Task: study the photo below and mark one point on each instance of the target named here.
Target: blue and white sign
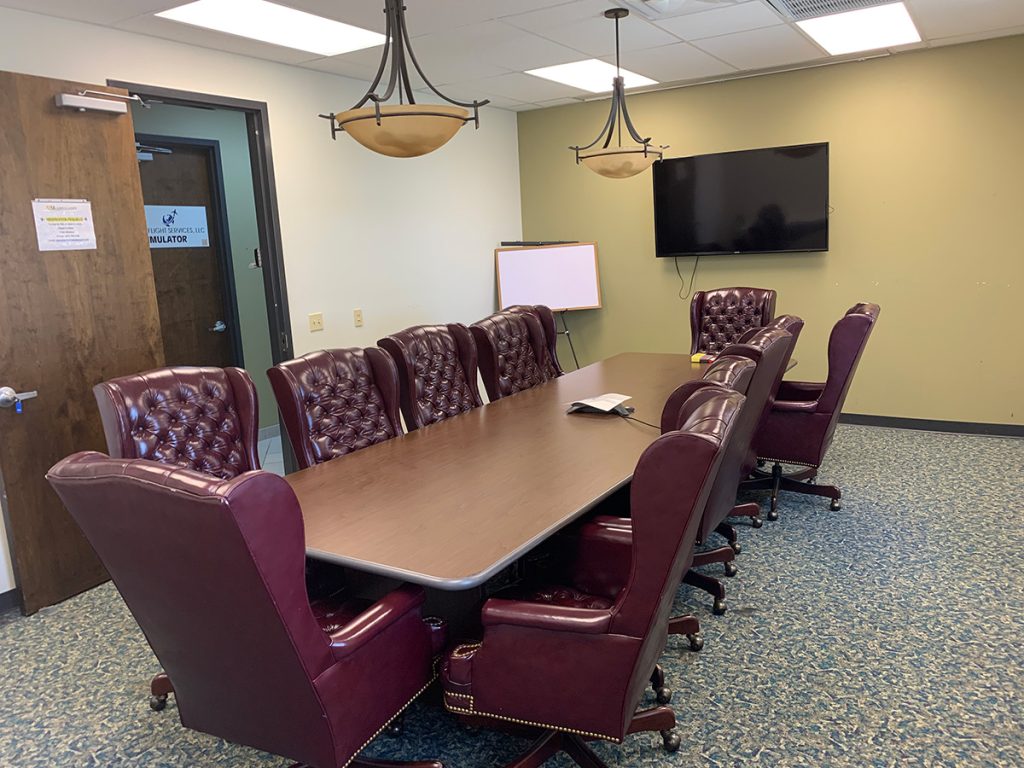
(177, 226)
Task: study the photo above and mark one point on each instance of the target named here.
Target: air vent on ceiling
(799, 10)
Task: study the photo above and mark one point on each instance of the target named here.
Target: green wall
(228, 127)
(927, 190)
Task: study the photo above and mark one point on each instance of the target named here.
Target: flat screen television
(757, 201)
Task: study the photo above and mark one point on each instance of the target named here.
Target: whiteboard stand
(561, 276)
(568, 337)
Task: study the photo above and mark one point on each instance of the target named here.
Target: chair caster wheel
(719, 607)
(756, 522)
(663, 696)
(671, 741)
(736, 548)
(773, 515)
(835, 506)
(731, 569)
(696, 641)
(158, 703)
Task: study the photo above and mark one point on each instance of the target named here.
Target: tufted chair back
(549, 360)
(510, 346)
(437, 372)
(336, 401)
(204, 419)
(227, 615)
(721, 316)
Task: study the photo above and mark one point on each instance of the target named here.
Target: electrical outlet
(316, 321)
(357, 317)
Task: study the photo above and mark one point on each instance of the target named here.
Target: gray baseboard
(933, 425)
(9, 599)
(266, 433)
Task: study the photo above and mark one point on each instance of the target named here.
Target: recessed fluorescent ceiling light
(273, 23)
(865, 30)
(591, 75)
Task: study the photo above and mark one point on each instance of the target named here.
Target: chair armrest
(556, 618)
(391, 608)
(802, 391)
(795, 406)
(603, 556)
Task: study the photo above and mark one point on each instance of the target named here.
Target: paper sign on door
(177, 226)
(64, 225)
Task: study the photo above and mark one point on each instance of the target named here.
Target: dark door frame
(220, 207)
(257, 119)
(271, 251)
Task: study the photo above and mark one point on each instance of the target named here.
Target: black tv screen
(756, 201)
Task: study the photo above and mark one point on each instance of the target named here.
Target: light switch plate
(316, 322)
(357, 317)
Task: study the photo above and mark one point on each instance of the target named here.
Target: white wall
(408, 241)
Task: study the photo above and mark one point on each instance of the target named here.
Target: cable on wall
(682, 283)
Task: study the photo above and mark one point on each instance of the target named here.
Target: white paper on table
(603, 403)
(64, 225)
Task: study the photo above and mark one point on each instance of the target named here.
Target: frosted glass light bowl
(620, 162)
(405, 130)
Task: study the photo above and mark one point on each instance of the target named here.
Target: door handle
(219, 327)
(9, 397)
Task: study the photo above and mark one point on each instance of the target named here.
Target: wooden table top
(450, 505)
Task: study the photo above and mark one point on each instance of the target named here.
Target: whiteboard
(558, 276)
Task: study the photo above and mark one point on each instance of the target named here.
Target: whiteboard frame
(597, 271)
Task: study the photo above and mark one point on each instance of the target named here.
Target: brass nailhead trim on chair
(473, 711)
(390, 719)
(789, 461)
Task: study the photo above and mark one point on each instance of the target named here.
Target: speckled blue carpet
(890, 633)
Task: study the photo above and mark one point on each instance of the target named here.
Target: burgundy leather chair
(802, 420)
(719, 317)
(752, 346)
(572, 660)
(336, 401)
(752, 370)
(552, 368)
(437, 370)
(206, 419)
(511, 346)
(227, 615)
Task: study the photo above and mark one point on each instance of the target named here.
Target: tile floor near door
(271, 455)
(890, 633)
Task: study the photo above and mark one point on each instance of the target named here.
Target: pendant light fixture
(405, 129)
(614, 160)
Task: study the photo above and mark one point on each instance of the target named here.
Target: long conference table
(450, 505)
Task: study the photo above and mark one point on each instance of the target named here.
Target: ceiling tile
(677, 62)
(484, 50)
(762, 48)
(206, 38)
(95, 11)
(665, 9)
(561, 15)
(722, 21)
(946, 18)
(423, 17)
(976, 36)
(518, 86)
(595, 36)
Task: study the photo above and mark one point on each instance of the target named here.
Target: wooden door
(193, 284)
(69, 319)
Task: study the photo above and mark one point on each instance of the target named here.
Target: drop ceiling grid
(479, 48)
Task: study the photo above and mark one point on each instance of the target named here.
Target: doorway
(190, 245)
(215, 279)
